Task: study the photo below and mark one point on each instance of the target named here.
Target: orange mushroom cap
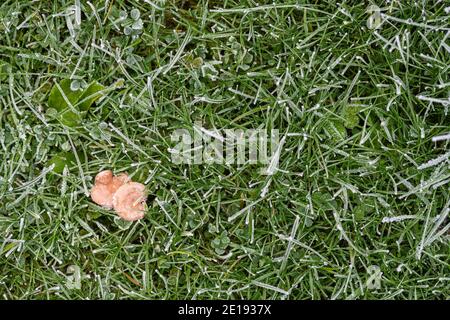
(105, 186)
(129, 201)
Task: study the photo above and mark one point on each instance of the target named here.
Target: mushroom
(105, 186)
(128, 201)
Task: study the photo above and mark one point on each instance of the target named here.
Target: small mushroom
(105, 186)
(129, 200)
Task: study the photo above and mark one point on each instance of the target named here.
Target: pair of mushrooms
(118, 192)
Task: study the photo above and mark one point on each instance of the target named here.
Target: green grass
(367, 104)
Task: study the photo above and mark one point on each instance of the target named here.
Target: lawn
(356, 208)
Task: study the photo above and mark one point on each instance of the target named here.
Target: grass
(363, 185)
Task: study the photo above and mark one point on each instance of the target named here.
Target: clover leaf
(62, 159)
(72, 104)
